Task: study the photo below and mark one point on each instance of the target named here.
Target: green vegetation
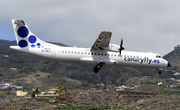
(84, 107)
(58, 97)
(36, 91)
(39, 99)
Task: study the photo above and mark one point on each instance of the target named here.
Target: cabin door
(53, 53)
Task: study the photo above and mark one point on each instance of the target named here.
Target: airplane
(101, 54)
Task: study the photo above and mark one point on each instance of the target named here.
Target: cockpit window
(157, 56)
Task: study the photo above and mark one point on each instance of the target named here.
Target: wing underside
(103, 40)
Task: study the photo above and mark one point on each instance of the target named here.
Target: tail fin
(24, 37)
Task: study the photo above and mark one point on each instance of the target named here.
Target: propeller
(121, 48)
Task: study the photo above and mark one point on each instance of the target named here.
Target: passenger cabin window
(92, 53)
(98, 53)
(78, 52)
(62, 51)
(81, 52)
(95, 53)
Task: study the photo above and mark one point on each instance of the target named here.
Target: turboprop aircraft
(101, 54)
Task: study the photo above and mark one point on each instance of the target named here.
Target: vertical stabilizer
(24, 37)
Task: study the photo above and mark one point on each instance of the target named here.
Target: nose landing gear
(160, 70)
(98, 67)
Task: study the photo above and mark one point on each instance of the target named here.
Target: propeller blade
(121, 42)
(121, 48)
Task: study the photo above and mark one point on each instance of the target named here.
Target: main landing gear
(98, 67)
(160, 70)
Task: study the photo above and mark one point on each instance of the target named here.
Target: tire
(160, 72)
(95, 70)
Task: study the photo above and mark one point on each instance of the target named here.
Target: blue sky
(144, 25)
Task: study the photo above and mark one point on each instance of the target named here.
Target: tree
(64, 88)
(113, 81)
(36, 91)
(59, 89)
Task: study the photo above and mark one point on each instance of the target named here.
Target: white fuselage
(89, 57)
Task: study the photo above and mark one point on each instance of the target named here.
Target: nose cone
(168, 65)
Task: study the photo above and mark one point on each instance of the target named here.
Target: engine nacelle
(112, 47)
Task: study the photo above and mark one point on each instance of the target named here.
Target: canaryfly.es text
(141, 60)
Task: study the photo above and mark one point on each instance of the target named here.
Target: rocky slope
(117, 100)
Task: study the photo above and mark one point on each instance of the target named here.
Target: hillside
(36, 72)
(174, 58)
(80, 98)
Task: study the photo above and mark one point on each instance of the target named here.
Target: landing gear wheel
(160, 72)
(95, 70)
(98, 67)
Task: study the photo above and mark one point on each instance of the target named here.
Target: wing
(103, 40)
